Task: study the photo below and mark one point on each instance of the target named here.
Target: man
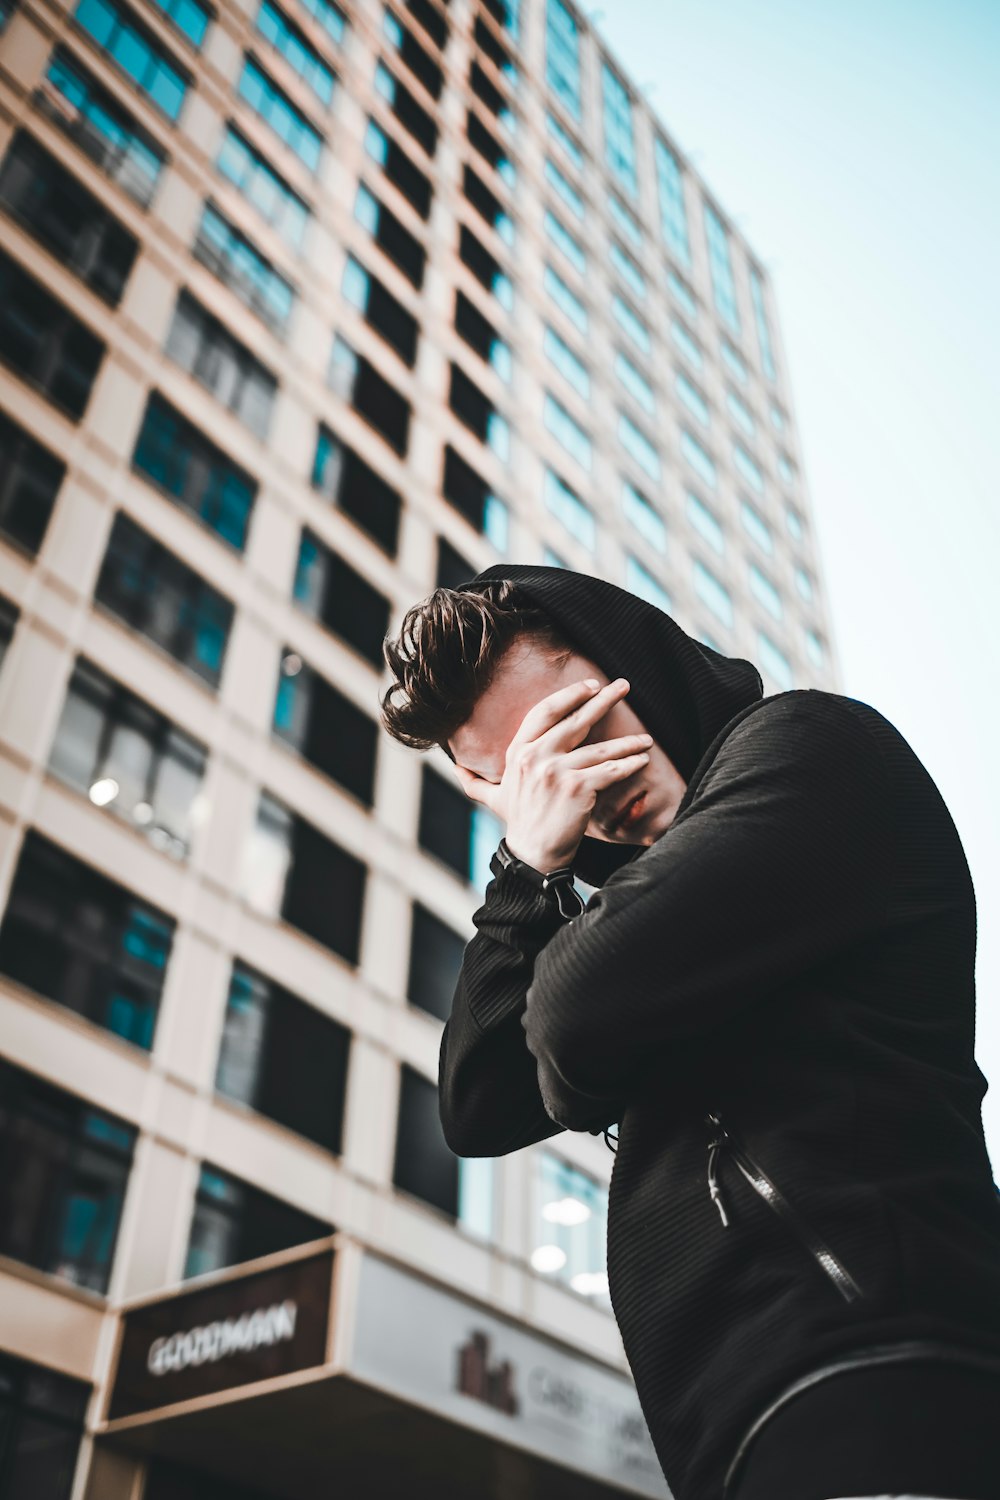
(771, 991)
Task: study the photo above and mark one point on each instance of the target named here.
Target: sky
(855, 143)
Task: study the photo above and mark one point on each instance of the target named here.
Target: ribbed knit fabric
(795, 953)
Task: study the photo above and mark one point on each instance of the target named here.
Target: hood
(683, 691)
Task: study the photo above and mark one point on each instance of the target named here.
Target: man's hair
(446, 655)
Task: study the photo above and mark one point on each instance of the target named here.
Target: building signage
(235, 1332)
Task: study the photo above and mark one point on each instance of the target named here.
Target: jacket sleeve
(782, 860)
(488, 1090)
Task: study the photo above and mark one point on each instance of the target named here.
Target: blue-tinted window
(699, 460)
(735, 361)
(566, 431)
(756, 527)
(803, 583)
(189, 16)
(262, 186)
(626, 222)
(619, 141)
(101, 126)
(136, 52)
(285, 119)
(742, 413)
(746, 467)
(774, 663)
(814, 647)
(685, 343)
(562, 55)
(711, 592)
(693, 399)
(765, 592)
(203, 346)
(635, 383)
(637, 444)
(565, 300)
(794, 523)
(683, 294)
(673, 212)
(631, 323)
(763, 331)
(627, 270)
(720, 263)
(287, 38)
(236, 260)
(644, 517)
(705, 523)
(640, 581)
(559, 133)
(181, 460)
(564, 187)
(785, 469)
(566, 504)
(329, 16)
(564, 241)
(566, 362)
(569, 1228)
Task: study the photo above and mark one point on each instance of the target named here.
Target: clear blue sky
(857, 146)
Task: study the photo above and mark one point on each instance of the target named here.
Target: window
(566, 505)
(340, 598)
(756, 527)
(391, 235)
(785, 469)
(566, 362)
(452, 568)
(207, 350)
(627, 270)
(329, 16)
(506, 13)
(414, 185)
(638, 447)
(423, 1164)
(777, 417)
(635, 383)
(293, 872)
(699, 460)
(65, 1172)
(644, 517)
(746, 467)
(619, 144)
(567, 432)
(489, 148)
(626, 221)
(734, 360)
(478, 413)
(479, 333)
(562, 55)
(126, 756)
(804, 584)
(381, 310)
(742, 414)
(639, 581)
(487, 204)
(564, 241)
(67, 219)
(673, 213)
(277, 110)
(136, 51)
(30, 477)
(569, 1228)
(413, 54)
(705, 523)
(775, 664)
(693, 399)
(234, 1222)
(101, 126)
(7, 8)
(436, 953)
(410, 114)
(283, 1058)
(485, 267)
(44, 343)
(763, 331)
(765, 592)
(814, 648)
(491, 47)
(683, 294)
(41, 1413)
(262, 186)
(564, 188)
(9, 616)
(721, 267)
(455, 831)
(472, 498)
(189, 16)
(552, 559)
(356, 381)
(84, 941)
(288, 39)
(344, 478)
(564, 140)
(236, 260)
(180, 460)
(686, 343)
(325, 727)
(794, 523)
(567, 301)
(487, 91)
(155, 593)
(630, 321)
(711, 592)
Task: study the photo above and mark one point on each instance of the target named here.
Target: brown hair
(446, 655)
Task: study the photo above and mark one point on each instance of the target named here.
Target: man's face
(524, 677)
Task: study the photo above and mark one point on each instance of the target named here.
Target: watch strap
(559, 882)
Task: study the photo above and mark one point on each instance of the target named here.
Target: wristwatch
(560, 881)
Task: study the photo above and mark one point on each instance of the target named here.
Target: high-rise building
(308, 306)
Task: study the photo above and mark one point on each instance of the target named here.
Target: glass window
(426, 1167)
(236, 260)
(263, 187)
(705, 523)
(391, 236)
(41, 1413)
(720, 263)
(625, 221)
(569, 1233)
(794, 523)
(488, 205)
(627, 270)
(639, 581)
(408, 111)
(562, 56)
(486, 41)
(814, 648)
(329, 16)
(711, 592)
(277, 110)
(564, 241)
(413, 54)
(436, 954)
(619, 142)
(101, 126)
(563, 187)
(552, 559)
(495, 100)
(683, 294)
(479, 333)
(207, 350)
(693, 399)
(185, 464)
(136, 51)
(561, 135)
(68, 220)
(288, 39)
(777, 417)
(486, 268)
(9, 616)
(340, 598)
(747, 468)
(566, 362)
(74, 935)
(763, 331)
(189, 16)
(673, 212)
(638, 446)
(785, 469)
(381, 310)
(283, 1057)
(688, 346)
(477, 411)
(490, 149)
(644, 517)
(741, 412)
(635, 383)
(472, 497)
(61, 1193)
(401, 171)
(804, 584)
(357, 382)
(699, 460)
(735, 361)
(774, 663)
(566, 505)
(234, 1222)
(765, 592)
(567, 301)
(343, 477)
(42, 341)
(462, 836)
(756, 527)
(566, 431)
(165, 600)
(30, 477)
(630, 321)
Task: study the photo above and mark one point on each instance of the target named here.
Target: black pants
(922, 1428)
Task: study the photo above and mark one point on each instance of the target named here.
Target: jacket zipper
(772, 1195)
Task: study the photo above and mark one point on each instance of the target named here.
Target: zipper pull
(713, 1150)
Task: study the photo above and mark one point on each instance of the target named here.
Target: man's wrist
(555, 884)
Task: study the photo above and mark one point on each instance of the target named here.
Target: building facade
(307, 307)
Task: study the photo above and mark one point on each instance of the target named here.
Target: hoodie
(775, 1003)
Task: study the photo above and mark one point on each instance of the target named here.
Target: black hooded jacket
(775, 1003)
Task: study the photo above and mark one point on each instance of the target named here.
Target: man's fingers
(471, 785)
(550, 710)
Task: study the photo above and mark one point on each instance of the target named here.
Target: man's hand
(551, 782)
